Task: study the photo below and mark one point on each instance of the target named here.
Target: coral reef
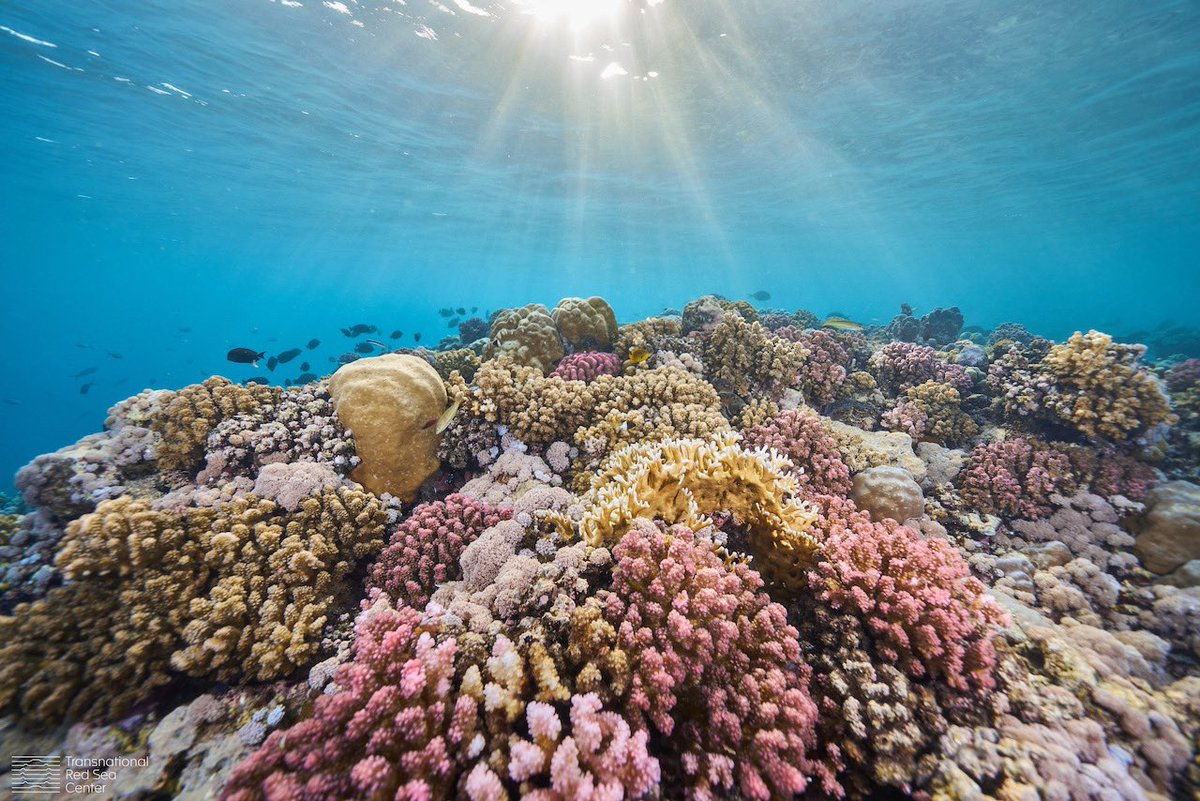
(708, 555)
(391, 404)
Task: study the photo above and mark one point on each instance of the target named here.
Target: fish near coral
(245, 356)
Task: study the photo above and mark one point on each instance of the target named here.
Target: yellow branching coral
(237, 592)
(743, 361)
(1100, 389)
(536, 409)
(528, 336)
(685, 480)
(194, 411)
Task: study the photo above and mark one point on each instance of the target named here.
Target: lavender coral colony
(728, 553)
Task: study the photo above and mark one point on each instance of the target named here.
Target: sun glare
(576, 13)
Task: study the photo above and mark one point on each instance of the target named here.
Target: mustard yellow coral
(642, 333)
(240, 591)
(1100, 389)
(528, 336)
(191, 414)
(741, 360)
(686, 480)
(585, 323)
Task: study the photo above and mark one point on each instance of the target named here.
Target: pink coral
(392, 731)
(916, 597)
(587, 366)
(599, 759)
(1016, 477)
(899, 366)
(424, 550)
(824, 369)
(715, 665)
(801, 437)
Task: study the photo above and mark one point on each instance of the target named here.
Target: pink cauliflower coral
(824, 370)
(1184, 375)
(587, 366)
(392, 731)
(1016, 477)
(424, 550)
(600, 758)
(899, 366)
(916, 597)
(801, 437)
(715, 665)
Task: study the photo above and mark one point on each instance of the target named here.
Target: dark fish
(83, 390)
(474, 309)
(454, 322)
(376, 343)
(85, 347)
(272, 339)
(115, 355)
(364, 347)
(12, 402)
(244, 356)
(288, 355)
(761, 294)
(461, 311)
(304, 367)
(272, 363)
(84, 371)
(185, 330)
(312, 343)
(446, 312)
(258, 379)
(305, 378)
(346, 358)
(397, 334)
(416, 337)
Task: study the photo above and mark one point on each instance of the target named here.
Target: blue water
(262, 173)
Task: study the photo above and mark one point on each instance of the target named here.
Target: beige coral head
(391, 404)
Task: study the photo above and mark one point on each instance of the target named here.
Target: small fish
(358, 329)
(397, 334)
(442, 421)
(376, 343)
(305, 378)
(446, 312)
(304, 367)
(454, 322)
(761, 294)
(185, 330)
(244, 356)
(258, 379)
(416, 337)
(841, 324)
(83, 390)
(346, 358)
(638, 355)
(313, 343)
(115, 355)
(272, 363)
(85, 346)
(363, 347)
(288, 355)
(84, 371)
(12, 402)
(461, 311)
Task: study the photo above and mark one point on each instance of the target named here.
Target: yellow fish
(443, 422)
(841, 324)
(638, 355)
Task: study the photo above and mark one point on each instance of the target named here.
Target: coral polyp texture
(728, 552)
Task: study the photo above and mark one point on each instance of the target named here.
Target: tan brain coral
(528, 335)
(390, 403)
(585, 323)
